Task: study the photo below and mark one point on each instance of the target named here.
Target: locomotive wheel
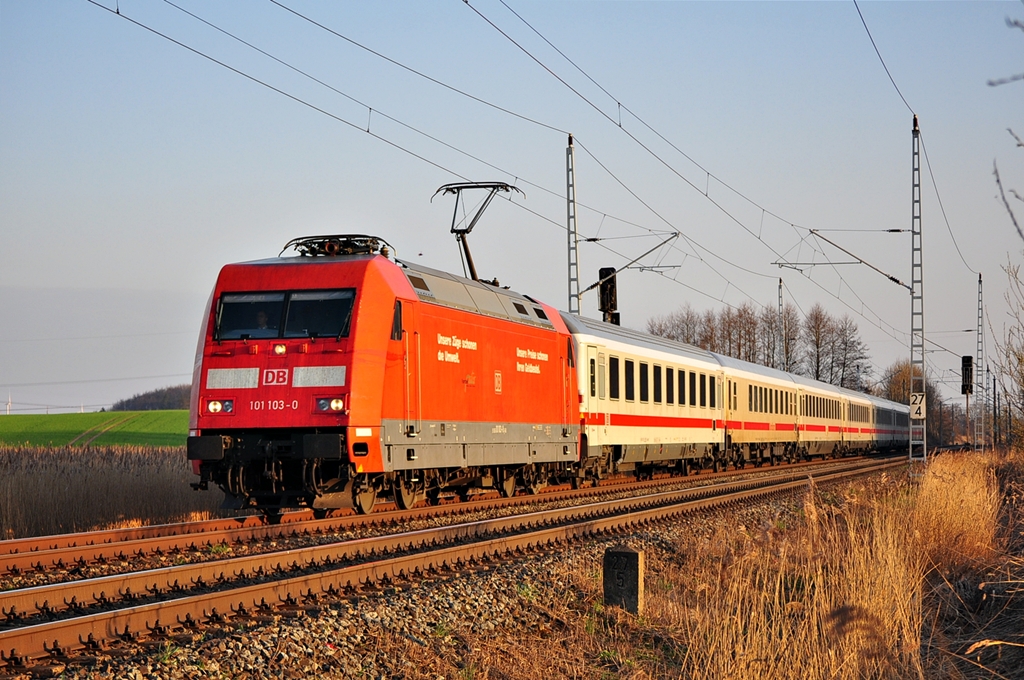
(405, 495)
(365, 499)
(508, 486)
(321, 513)
(272, 515)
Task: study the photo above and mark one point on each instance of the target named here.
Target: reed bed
(51, 490)
(890, 578)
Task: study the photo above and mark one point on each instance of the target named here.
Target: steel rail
(101, 536)
(251, 529)
(50, 599)
(57, 638)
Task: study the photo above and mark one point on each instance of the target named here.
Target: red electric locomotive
(341, 375)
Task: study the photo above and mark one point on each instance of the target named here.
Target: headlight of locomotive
(328, 404)
(219, 406)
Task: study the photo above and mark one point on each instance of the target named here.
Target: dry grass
(893, 578)
(50, 490)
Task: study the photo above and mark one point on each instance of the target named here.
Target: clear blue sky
(132, 169)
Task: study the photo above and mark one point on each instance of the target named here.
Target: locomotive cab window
(319, 314)
(249, 315)
(299, 314)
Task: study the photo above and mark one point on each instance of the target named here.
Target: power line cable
(942, 208)
(418, 73)
(97, 380)
(705, 193)
(299, 100)
(891, 79)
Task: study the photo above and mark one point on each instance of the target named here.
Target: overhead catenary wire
(425, 159)
(672, 169)
(665, 163)
(349, 123)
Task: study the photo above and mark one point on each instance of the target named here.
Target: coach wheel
(365, 498)
(406, 494)
(716, 465)
(272, 515)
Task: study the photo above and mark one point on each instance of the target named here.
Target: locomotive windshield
(299, 314)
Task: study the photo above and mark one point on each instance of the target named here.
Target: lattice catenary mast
(918, 406)
(573, 236)
(981, 384)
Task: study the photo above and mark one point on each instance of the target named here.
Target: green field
(140, 428)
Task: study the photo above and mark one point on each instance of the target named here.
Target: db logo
(277, 376)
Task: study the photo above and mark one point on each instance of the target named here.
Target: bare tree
(768, 337)
(707, 333)
(792, 349)
(849, 356)
(682, 325)
(895, 386)
(818, 335)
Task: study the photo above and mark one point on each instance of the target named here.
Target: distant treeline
(175, 397)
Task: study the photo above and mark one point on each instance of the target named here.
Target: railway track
(71, 551)
(49, 624)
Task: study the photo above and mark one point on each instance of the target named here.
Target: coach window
(713, 385)
(693, 388)
(657, 384)
(670, 385)
(644, 383)
(775, 401)
(750, 398)
(682, 387)
(703, 390)
(600, 375)
(613, 377)
(630, 380)
(735, 399)
(593, 377)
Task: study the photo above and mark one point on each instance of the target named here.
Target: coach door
(589, 404)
